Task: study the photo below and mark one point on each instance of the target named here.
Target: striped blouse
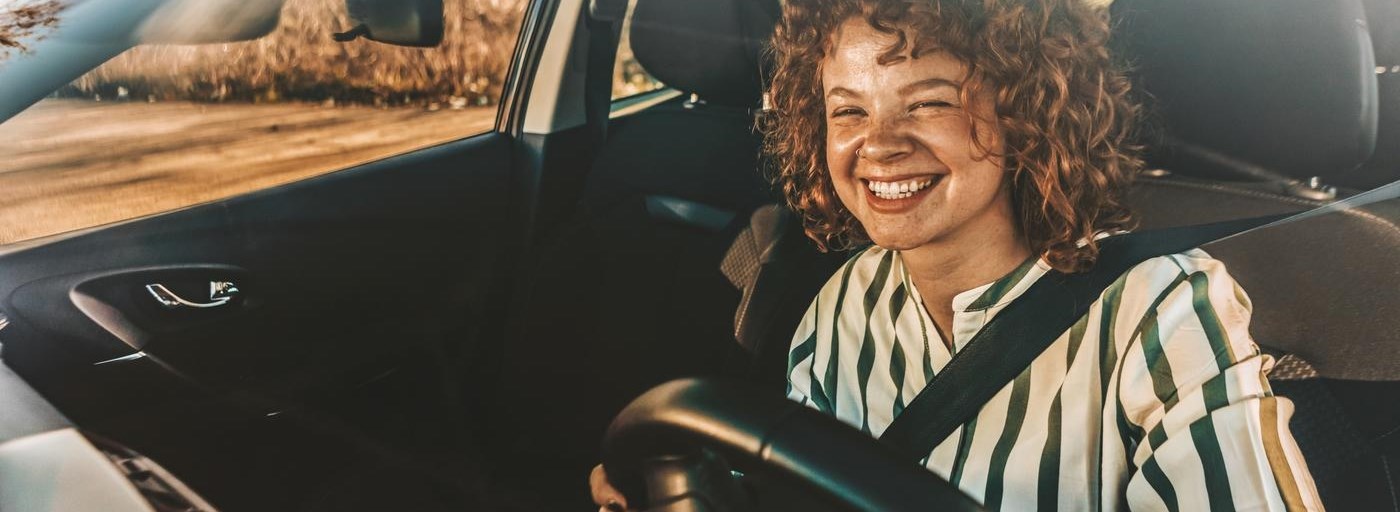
(1155, 400)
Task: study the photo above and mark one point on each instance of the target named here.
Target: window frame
(628, 105)
(529, 47)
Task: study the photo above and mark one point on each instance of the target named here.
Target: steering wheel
(667, 451)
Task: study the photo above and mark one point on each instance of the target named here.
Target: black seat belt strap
(1017, 335)
(602, 23)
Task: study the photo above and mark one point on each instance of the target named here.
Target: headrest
(1288, 86)
(713, 48)
(1383, 17)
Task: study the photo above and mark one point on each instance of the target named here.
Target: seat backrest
(1300, 107)
(778, 271)
(627, 292)
(1284, 92)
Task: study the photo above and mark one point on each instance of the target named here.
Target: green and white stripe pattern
(1155, 400)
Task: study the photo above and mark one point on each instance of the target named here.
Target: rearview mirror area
(415, 23)
(210, 21)
(397, 22)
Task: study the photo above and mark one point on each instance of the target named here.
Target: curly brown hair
(1065, 108)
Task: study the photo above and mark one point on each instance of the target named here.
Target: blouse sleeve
(801, 357)
(1204, 429)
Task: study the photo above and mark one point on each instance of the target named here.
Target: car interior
(1231, 145)
(455, 328)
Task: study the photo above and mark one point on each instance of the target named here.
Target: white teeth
(898, 190)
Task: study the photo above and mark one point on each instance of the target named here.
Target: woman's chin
(896, 242)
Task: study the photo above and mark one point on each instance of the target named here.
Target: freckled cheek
(841, 148)
(952, 142)
(946, 139)
(989, 131)
(841, 163)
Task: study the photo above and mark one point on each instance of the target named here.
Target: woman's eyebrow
(927, 83)
(842, 91)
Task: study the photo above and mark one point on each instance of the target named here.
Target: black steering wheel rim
(794, 444)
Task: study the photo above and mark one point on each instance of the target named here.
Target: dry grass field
(300, 61)
(64, 166)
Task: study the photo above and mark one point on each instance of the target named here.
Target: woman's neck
(944, 268)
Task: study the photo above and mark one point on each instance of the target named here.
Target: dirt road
(71, 164)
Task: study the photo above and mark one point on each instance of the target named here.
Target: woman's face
(899, 146)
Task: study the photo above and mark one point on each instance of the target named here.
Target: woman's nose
(885, 143)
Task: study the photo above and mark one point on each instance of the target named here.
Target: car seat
(1262, 105)
(627, 293)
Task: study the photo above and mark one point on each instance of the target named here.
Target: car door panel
(383, 243)
(342, 280)
(118, 312)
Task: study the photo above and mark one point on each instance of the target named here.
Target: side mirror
(396, 22)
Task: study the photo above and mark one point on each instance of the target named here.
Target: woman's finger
(604, 495)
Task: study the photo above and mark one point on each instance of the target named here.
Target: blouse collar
(1007, 288)
(972, 309)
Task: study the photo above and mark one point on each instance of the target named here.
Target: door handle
(220, 293)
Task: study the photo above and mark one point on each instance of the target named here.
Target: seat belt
(602, 20)
(1008, 344)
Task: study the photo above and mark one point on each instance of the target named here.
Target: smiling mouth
(901, 189)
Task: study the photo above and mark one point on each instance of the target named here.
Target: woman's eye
(846, 112)
(930, 104)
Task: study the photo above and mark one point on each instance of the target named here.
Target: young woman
(978, 144)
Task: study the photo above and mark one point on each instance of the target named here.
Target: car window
(629, 78)
(163, 127)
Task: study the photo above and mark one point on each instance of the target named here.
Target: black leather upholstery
(713, 48)
(1286, 85)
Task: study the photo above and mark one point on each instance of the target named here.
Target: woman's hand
(605, 496)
